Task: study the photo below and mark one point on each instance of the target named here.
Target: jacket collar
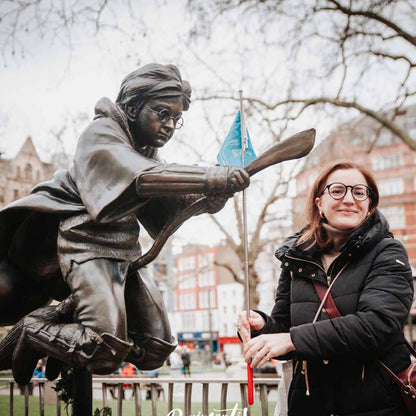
(369, 233)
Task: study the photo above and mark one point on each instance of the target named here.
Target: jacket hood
(369, 233)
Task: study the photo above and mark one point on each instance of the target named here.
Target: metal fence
(156, 389)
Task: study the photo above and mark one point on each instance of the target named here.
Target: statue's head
(153, 98)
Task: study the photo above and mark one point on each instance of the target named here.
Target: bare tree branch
(228, 267)
(373, 16)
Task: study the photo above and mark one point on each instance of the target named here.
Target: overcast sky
(53, 83)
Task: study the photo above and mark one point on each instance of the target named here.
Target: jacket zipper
(328, 277)
(306, 261)
(305, 363)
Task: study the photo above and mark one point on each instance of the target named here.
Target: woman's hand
(261, 349)
(256, 322)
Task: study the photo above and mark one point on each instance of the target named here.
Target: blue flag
(230, 152)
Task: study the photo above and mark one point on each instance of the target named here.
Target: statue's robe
(89, 211)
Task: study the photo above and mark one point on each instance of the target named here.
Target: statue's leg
(98, 290)
(148, 323)
(97, 338)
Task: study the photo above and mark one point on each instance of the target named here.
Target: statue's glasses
(164, 117)
(338, 190)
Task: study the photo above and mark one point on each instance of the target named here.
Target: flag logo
(231, 150)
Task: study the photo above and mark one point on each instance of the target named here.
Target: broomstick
(294, 147)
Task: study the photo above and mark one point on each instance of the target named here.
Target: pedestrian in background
(346, 243)
(186, 362)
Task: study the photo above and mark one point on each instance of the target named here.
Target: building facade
(207, 299)
(391, 161)
(22, 172)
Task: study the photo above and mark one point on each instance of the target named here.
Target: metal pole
(82, 392)
(244, 145)
(245, 231)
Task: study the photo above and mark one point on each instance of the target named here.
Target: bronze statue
(75, 237)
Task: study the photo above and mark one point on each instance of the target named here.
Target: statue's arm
(175, 179)
(171, 188)
(113, 179)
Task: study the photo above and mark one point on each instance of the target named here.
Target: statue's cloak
(97, 193)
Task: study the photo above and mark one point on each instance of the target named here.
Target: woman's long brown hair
(314, 230)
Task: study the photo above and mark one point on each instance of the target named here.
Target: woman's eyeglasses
(338, 190)
(164, 117)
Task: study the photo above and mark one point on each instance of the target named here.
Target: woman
(349, 239)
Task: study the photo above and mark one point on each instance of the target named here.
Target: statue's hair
(153, 81)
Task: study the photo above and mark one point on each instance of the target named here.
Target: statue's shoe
(150, 352)
(49, 314)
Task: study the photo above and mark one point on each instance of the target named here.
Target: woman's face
(347, 212)
(155, 124)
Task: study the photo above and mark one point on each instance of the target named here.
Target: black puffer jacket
(373, 294)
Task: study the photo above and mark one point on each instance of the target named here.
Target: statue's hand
(238, 179)
(226, 180)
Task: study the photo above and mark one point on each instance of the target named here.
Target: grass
(128, 408)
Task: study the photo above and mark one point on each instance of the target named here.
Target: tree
(306, 60)
(268, 219)
(353, 54)
(257, 242)
(26, 20)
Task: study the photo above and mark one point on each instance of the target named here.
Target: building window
(392, 186)
(187, 281)
(385, 138)
(389, 161)
(395, 216)
(187, 301)
(206, 299)
(206, 260)
(28, 171)
(188, 321)
(206, 278)
(186, 263)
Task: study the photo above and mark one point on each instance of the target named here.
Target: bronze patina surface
(74, 238)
